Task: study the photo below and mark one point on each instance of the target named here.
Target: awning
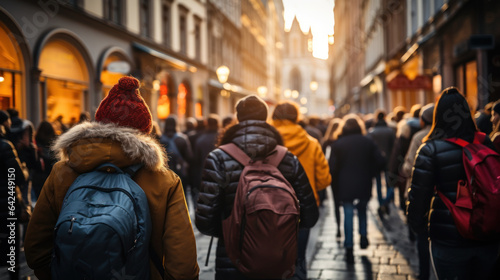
(177, 63)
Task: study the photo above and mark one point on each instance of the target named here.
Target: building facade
(306, 79)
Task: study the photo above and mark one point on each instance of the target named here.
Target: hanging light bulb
(1, 77)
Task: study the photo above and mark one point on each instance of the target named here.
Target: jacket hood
(294, 136)
(256, 138)
(90, 144)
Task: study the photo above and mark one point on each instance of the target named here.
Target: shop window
(10, 72)
(114, 11)
(163, 103)
(183, 28)
(65, 78)
(114, 68)
(166, 25)
(466, 81)
(145, 18)
(182, 101)
(197, 38)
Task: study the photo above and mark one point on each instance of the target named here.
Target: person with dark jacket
(16, 174)
(439, 167)
(354, 161)
(45, 136)
(384, 137)
(221, 175)
(205, 143)
(483, 121)
(178, 149)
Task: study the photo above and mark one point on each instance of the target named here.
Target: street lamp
(222, 74)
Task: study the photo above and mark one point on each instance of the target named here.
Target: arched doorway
(64, 81)
(166, 93)
(11, 72)
(114, 65)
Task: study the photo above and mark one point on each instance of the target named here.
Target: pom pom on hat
(125, 107)
(251, 108)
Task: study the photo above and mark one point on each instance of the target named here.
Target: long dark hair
(45, 134)
(452, 117)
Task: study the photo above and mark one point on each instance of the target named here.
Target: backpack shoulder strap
(458, 141)
(479, 137)
(277, 155)
(235, 152)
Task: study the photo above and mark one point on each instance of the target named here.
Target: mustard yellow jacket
(308, 151)
(84, 148)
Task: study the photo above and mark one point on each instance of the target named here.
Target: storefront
(11, 72)
(114, 64)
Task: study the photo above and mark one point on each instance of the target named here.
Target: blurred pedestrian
(84, 117)
(221, 175)
(426, 116)
(495, 121)
(483, 120)
(355, 160)
(205, 143)
(178, 149)
(439, 167)
(10, 164)
(331, 135)
(45, 136)
(310, 154)
(384, 137)
(227, 121)
(121, 140)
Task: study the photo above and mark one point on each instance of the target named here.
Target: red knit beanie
(125, 107)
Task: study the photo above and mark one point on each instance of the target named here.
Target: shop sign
(401, 82)
(121, 67)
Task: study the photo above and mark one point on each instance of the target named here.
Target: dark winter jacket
(438, 165)
(205, 143)
(220, 180)
(353, 162)
(9, 164)
(384, 137)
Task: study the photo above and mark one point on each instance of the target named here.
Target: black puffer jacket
(438, 165)
(220, 180)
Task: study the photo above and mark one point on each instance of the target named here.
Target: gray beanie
(427, 113)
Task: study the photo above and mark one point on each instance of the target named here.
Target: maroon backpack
(260, 235)
(476, 211)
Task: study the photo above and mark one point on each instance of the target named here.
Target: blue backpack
(104, 228)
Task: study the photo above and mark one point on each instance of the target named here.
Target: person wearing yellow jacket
(310, 154)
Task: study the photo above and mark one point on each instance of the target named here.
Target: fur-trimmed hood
(87, 145)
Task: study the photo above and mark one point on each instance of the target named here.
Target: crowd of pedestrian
(404, 153)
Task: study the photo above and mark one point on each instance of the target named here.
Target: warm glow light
(2, 79)
(222, 73)
(287, 93)
(313, 85)
(262, 91)
(295, 94)
(315, 16)
(303, 100)
(156, 85)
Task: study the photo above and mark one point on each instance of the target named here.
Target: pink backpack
(476, 211)
(260, 235)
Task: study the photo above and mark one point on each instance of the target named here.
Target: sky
(314, 14)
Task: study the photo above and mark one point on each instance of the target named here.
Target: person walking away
(426, 115)
(331, 136)
(44, 137)
(355, 159)
(121, 140)
(310, 154)
(483, 119)
(178, 149)
(205, 143)
(384, 137)
(495, 121)
(16, 174)
(439, 167)
(221, 174)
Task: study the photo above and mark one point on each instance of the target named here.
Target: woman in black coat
(439, 167)
(221, 174)
(353, 163)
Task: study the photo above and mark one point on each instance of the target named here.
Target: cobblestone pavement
(390, 255)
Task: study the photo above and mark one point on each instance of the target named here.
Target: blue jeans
(348, 221)
(390, 191)
(457, 263)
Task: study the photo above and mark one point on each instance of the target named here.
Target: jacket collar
(136, 147)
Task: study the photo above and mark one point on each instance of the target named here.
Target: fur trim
(135, 144)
